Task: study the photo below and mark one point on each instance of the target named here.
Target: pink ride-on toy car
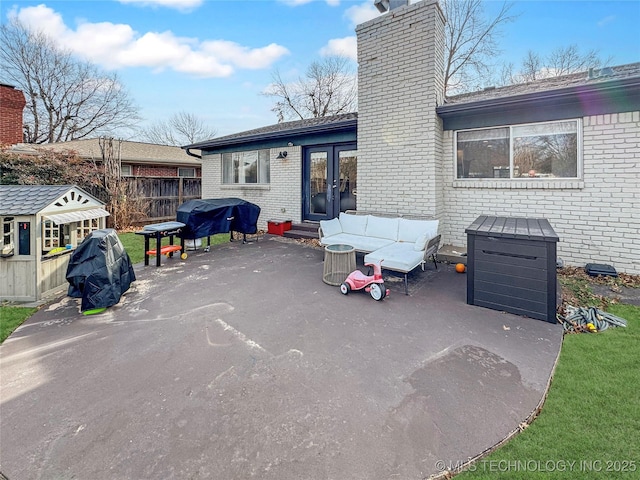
(374, 284)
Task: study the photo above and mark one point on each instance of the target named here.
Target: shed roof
(132, 152)
(31, 199)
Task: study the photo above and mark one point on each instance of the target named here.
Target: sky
(215, 58)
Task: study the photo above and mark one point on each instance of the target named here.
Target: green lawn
(134, 244)
(590, 423)
(11, 318)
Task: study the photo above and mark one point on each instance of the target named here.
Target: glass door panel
(318, 183)
(348, 172)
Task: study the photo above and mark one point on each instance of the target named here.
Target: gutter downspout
(188, 150)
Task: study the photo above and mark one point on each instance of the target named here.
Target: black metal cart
(160, 231)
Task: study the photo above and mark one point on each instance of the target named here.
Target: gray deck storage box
(511, 266)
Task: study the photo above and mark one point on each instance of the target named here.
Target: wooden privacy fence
(164, 195)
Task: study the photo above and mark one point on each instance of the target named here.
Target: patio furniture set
(395, 243)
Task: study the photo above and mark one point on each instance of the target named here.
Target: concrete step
(303, 230)
(452, 254)
(293, 233)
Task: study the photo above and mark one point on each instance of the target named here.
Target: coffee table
(339, 262)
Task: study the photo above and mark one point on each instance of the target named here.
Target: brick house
(565, 149)
(138, 159)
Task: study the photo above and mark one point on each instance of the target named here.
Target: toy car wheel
(345, 288)
(184, 256)
(377, 291)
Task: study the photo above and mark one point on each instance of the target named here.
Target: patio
(242, 363)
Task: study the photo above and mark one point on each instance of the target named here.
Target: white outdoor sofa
(399, 244)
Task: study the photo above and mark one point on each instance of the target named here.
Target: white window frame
(263, 167)
(85, 227)
(49, 240)
(579, 153)
(182, 170)
(126, 171)
(8, 243)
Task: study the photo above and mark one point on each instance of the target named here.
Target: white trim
(78, 215)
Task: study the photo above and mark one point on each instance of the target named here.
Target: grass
(11, 318)
(134, 244)
(588, 427)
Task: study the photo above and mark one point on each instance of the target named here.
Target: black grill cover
(99, 270)
(217, 215)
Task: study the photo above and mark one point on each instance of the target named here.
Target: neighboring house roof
(307, 126)
(31, 199)
(597, 92)
(130, 152)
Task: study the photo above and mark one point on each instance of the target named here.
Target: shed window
(53, 235)
(532, 151)
(7, 247)
(85, 227)
(246, 167)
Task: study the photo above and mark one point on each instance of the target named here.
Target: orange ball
(460, 267)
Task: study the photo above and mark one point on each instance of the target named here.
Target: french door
(330, 180)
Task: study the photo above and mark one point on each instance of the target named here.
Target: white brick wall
(597, 218)
(400, 83)
(283, 193)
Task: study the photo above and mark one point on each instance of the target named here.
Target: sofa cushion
(382, 227)
(354, 224)
(421, 242)
(359, 242)
(398, 256)
(330, 227)
(410, 230)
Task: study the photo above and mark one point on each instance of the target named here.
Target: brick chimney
(12, 104)
(400, 83)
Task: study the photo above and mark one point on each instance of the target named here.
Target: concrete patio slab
(241, 363)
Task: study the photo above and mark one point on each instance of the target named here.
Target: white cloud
(344, 47)
(606, 20)
(118, 45)
(361, 13)
(177, 4)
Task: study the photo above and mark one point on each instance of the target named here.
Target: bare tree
(561, 61)
(471, 41)
(329, 87)
(181, 129)
(67, 99)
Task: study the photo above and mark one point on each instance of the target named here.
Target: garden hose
(588, 319)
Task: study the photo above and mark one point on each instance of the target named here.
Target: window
(54, 236)
(125, 170)
(50, 235)
(539, 150)
(246, 167)
(7, 246)
(85, 227)
(186, 172)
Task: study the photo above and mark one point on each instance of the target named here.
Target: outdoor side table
(339, 262)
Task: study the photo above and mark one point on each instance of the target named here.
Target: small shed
(41, 225)
(511, 266)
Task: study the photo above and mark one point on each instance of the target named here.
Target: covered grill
(99, 270)
(206, 217)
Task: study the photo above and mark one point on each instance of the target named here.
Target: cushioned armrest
(432, 246)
